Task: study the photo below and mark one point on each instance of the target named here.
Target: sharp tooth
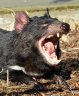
(55, 46)
(58, 35)
(43, 48)
(50, 36)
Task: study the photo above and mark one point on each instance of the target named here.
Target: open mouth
(47, 46)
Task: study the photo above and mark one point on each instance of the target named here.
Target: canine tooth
(58, 35)
(55, 46)
(43, 48)
(50, 36)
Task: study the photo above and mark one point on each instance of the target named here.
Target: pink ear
(21, 19)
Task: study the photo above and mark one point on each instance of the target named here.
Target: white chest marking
(16, 67)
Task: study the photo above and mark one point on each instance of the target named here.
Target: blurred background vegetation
(38, 5)
(65, 10)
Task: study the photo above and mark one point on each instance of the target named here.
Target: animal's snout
(65, 27)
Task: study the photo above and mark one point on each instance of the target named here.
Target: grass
(34, 9)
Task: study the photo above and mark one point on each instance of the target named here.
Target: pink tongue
(49, 47)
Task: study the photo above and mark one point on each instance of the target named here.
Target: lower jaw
(51, 61)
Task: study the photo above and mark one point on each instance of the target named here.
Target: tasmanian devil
(33, 46)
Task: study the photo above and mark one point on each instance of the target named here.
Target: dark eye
(46, 22)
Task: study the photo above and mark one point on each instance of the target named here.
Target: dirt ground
(70, 62)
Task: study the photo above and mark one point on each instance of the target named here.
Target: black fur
(20, 49)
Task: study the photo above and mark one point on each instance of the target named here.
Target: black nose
(65, 27)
